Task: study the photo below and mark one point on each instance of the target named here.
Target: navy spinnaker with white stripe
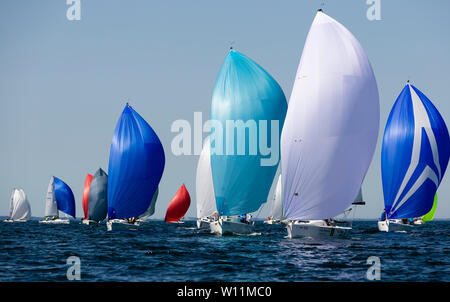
(136, 164)
(414, 155)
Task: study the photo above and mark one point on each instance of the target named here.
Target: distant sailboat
(85, 199)
(243, 92)
(276, 210)
(136, 165)
(97, 198)
(414, 157)
(330, 132)
(151, 209)
(178, 206)
(59, 198)
(206, 201)
(19, 209)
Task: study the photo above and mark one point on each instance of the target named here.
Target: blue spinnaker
(414, 155)
(136, 164)
(64, 197)
(247, 106)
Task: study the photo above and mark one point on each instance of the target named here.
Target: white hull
(393, 226)
(272, 221)
(9, 220)
(315, 229)
(204, 222)
(175, 222)
(120, 225)
(223, 227)
(88, 222)
(419, 222)
(56, 221)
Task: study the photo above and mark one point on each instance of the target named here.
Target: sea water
(165, 252)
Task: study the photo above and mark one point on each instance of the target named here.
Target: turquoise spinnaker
(247, 112)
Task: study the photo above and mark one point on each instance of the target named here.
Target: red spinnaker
(85, 201)
(179, 205)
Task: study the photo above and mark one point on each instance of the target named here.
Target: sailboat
(178, 206)
(206, 201)
(136, 165)
(97, 198)
(59, 198)
(330, 132)
(19, 208)
(85, 198)
(244, 92)
(414, 157)
(276, 210)
(151, 209)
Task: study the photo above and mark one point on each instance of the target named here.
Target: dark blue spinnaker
(136, 164)
(64, 197)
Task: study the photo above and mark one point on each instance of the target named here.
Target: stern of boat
(383, 226)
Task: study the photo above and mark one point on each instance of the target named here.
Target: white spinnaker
(276, 211)
(21, 207)
(331, 127)
(206, 200)
(51, 208)
(11, 203)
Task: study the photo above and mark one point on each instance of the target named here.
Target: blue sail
(64, 197)
(246, 95)
(414, 155)
(136, 165)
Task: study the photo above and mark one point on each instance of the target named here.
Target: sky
(64, 84)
